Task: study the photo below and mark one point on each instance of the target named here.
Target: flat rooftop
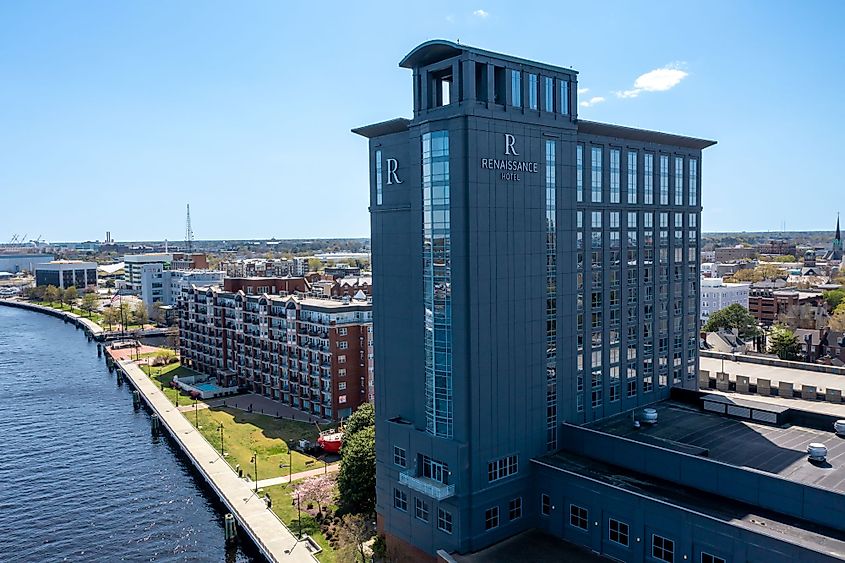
(811, 536)
(775, 374)
(778, 450)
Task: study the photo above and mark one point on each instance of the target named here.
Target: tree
(784, 258)
(156, 313)
(319, 489)
(139, 313)
(111, 316)
(89, 303)
(51, 294)
(733, 316)
(834, 297)
(315, 264)
(760, 273)
(70, 295)
(363, 417)
(35, 293)
(784, 343)
(355, 530)
(356, 480)
(837, 321)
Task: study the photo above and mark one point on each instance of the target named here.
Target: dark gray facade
(533, 270)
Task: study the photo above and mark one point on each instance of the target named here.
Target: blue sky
(114, 115)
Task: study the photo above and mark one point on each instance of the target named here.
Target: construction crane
(37, 240)
(14, 238)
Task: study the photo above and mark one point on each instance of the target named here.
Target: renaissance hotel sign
(510, 168)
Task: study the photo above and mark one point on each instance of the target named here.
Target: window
(343, 345)
(400, 500)
(632, 177)
(662, 549)
(503, 467)
(532, 91)
(342, 399)
(515, 508)
(341, 372)
(378, 178)
(341, 386)
(615, 173)
(545, 505)
(648, 179)
(444, 521)
(595, 176)
(578, 517)
(579, 173)
(420, 510)
(564, 97)
(341, 359)
(434, 470)
(664, 179)
(491, 518)
(618, 532)
(693, 182)
(548, 93)
(516, 89)
(679, 180)
(710, 558)
(399, 456)
(342, 331)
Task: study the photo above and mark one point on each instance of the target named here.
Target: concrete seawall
(91, 328)
(272, 538)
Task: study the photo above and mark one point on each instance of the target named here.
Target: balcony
(426, 486)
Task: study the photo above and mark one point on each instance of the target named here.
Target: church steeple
(837, 241)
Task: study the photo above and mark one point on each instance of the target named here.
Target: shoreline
(92, 329)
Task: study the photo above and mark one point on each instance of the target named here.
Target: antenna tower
(189, 233)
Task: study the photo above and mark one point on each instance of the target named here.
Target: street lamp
(254, 461)
(221, 439)
(299, 519)
(196, 413)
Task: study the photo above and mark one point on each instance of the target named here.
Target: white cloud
(592, 101)
(583, 90)
(657, 80)
(481, 14)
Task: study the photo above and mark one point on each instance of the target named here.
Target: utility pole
(189, 233)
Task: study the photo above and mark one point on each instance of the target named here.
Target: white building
(716, 295)
(66, 273)
(138, 265)
(158, 284)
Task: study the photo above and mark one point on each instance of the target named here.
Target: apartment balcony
(426, 486)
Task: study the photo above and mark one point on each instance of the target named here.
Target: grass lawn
(162, 376)
(285, 508)
(244, 433)
(94, 316)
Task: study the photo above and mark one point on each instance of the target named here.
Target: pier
(273, 540)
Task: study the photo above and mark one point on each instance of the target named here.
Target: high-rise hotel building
(533, 269)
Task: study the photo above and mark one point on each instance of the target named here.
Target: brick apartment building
(262, 335)
(766, 304)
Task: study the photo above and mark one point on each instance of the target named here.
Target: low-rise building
(66, 273)
(767, 304)
(716, 295)
(314, 355)
(16, 262)
(735, 253)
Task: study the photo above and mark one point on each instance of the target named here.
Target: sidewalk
(334, 467)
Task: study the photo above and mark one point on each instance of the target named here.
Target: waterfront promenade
(273, 539)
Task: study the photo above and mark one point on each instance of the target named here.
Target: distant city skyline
(117, 115)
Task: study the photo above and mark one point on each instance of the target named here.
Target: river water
(81, 477)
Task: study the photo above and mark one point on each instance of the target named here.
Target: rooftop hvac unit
(817, 451)
(839, 427)
(650, 416)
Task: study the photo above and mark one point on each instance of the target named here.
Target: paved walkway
(263, 405)
(332, 468)
(274, 540)
(92, 327)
